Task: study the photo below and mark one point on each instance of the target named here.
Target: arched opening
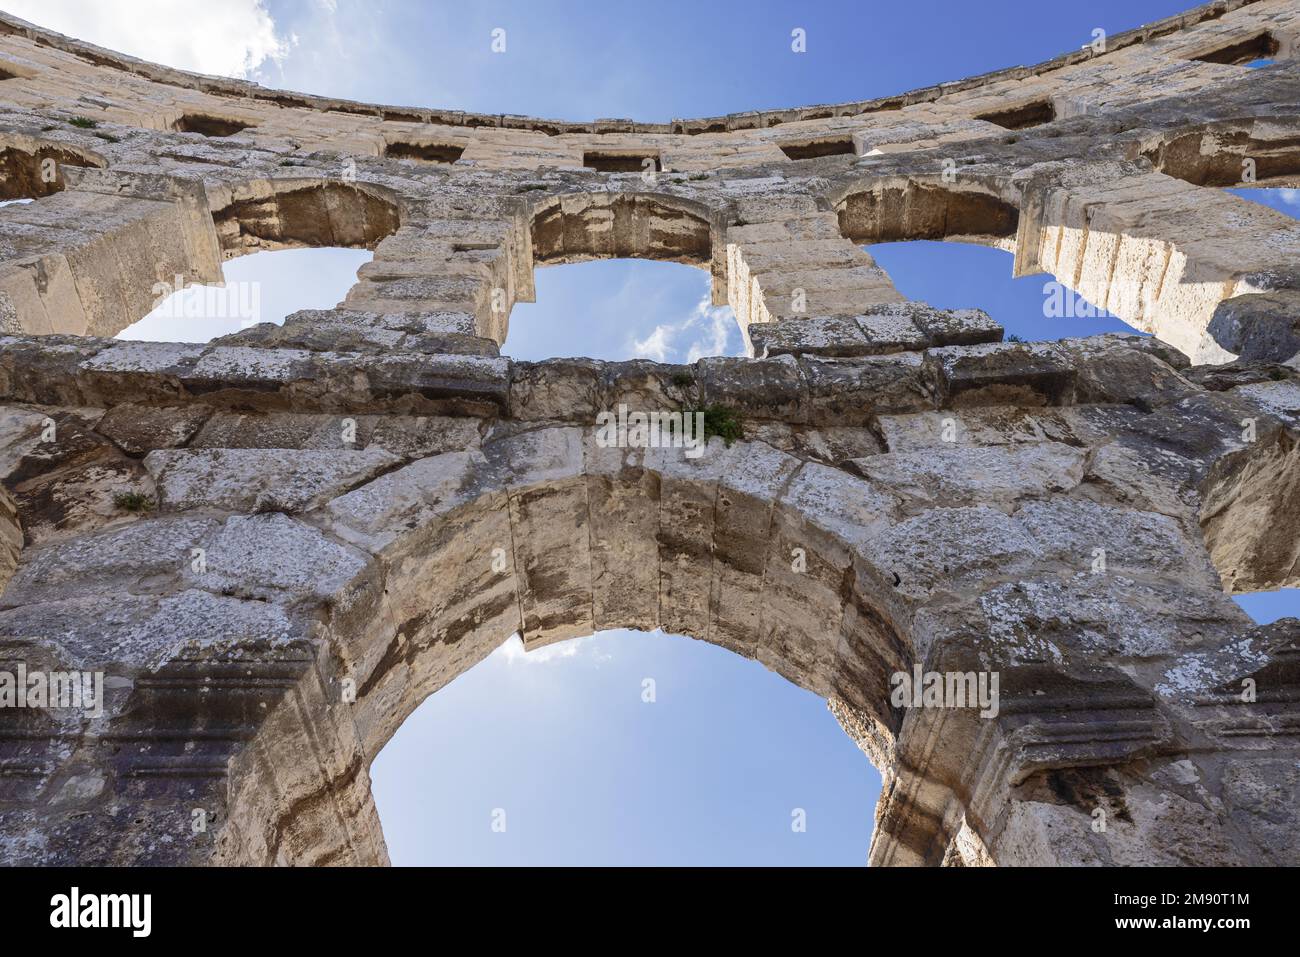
(1253, 314)
(623, 748)
(954, 275)
(1235, 153)
(591, 545)
(622, 292)
(287, 214)
(262, 287)
(618, 309)
(899, 210)
(288, 246)
(954, 248)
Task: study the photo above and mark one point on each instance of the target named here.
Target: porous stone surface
(276, 544)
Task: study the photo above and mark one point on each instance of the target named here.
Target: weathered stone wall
(276, 544)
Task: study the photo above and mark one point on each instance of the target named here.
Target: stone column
(787, 259)
(1157, 252)
(446, 259)
(89, 260)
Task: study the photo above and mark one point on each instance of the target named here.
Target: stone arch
(580, 227)
(476, 260)
(1252, 311)
(597, 539)
(1158, 252)
(899, 209)
(1216, 154)
(90, 258)
(270, 214)
(413, 599)
(569, 228)
(343, 599)
(1125, 238)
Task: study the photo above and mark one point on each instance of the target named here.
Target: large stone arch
(256, 678)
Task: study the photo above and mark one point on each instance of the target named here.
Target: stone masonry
(275, 545)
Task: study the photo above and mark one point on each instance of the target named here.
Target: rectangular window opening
(1262, 46)
(209, 125)
(425, 152)
(817, 148)
(1023, 116)
(609, 162)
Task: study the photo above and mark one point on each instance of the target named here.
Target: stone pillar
(445, 259)
(1157, 252)
(787, 259)
(89, 260)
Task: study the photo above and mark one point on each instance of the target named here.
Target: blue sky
(585, 771)
(710, 772)
(653, 62)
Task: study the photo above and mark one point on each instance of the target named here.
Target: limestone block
(376, 515)
(948, 475)
(288, 480)
(853, 392)
(110, 561)
(1002, 374)
(949, 548)
(138, 428)
(273, 557)
(1131, 542)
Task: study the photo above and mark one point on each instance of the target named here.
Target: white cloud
(720, 323)
(655, 345)
(230, 38)
(512, 651)
(708, 331)
(1290, 196)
